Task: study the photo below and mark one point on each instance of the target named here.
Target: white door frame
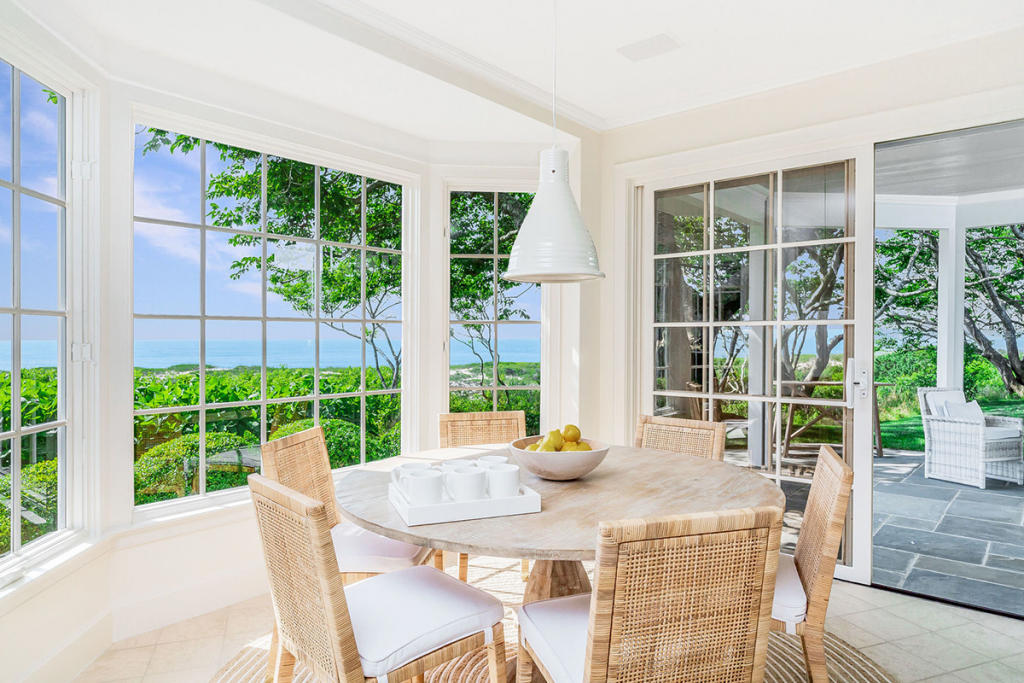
(858, 555)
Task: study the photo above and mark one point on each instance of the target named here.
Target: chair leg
(524, 664)
(526, 570)
(417, 678)
(464, 567)
(285, 665)
(272, 656)
(814, 656)
(439, 559)
(496, 655)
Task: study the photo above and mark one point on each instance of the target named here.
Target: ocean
(228, 353)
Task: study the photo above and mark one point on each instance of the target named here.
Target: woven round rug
(502, 579)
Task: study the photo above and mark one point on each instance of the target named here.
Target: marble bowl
(558, 466)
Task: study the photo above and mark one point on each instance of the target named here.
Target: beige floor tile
(943, 678)
(136, 641)
(931, 616)
(840, 604)
(206, 625)
(988, 642)
(854, 635)
(906, 667)
(117, 664)
(885, 625)
(992, 672)
(201, 674)
(941, 652)
(1015, 662)
(249, 619)
(185, 654)
(258, 601)
(1007, 626)
(234, 643)
(873, 596)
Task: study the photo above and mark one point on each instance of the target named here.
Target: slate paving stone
(1007, 550)
(911, 523)
(987, 511)
(909, 506)
(884, 577)
(877, 521)
(977, 572)
(991, 596)
(992, 498)
(930, 543)
(975, 528)
(905, 489)
(891, 560)
(1013, 564)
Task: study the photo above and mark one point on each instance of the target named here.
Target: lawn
(908, 434)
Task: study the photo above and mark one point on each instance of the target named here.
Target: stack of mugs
(489, 476)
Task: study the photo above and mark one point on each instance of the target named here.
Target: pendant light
(553, 244)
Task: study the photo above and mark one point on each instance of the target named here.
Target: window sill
(44, 564)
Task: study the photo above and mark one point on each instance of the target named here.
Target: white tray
(449, 510)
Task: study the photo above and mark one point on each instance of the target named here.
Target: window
(752, 305)
(33, 318)
(494, 349)
(268, 299)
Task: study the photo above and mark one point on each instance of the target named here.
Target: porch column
(950, 329)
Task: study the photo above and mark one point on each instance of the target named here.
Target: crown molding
(408, 34)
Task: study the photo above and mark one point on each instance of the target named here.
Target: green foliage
(39, 495)
(171, 469)
(342, 439)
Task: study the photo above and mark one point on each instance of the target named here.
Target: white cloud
(170, 240)
(151, 201)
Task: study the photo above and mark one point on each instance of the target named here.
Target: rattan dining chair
(472, 429)
(804, 581)
(386, 629)
(677, 598)
(693, 437)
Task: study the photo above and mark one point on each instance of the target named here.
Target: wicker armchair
(675, 598)
(804, 581)
(391, 627)
(472, 429)
(693, 437)
(966, 451)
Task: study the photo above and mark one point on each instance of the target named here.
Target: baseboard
(70, 657)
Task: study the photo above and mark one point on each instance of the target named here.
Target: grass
(908, 434)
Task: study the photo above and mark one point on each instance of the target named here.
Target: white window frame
(206, 130)
(549, 298)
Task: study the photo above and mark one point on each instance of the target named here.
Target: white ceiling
(730, 48)
(967, 162)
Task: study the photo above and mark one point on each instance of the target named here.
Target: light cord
(554, 75)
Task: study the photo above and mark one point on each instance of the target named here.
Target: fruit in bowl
(559, 455)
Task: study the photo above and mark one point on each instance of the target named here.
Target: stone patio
(946, 540)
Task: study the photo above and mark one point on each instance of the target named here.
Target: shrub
(39, 497)
(342, 439)
(171, 469)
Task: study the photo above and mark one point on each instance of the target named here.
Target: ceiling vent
(655, 46)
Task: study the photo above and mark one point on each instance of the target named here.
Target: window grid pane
(33, 348)
(241, 366)
(494, 335)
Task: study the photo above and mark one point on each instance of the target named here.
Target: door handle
(855, 382)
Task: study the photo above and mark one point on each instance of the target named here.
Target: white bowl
(558, 465)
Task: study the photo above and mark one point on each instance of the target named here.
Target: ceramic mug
(502, 480)
(466, 483)
(422, 487)
(488, 460)
(403, 470)
(452, 465)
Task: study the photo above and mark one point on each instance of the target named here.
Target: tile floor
(915, 639)
(939, 538)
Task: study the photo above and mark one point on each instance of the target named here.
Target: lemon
(569, 446)
(532, 447)
(546, 447)
(583, 446)
(554, 437)
(571, 433)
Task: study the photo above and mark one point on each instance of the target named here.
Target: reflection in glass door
(752, 309)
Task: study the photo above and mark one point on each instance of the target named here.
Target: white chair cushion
(1000, 433)
(790, 603)
(401, 616)
(964, 411)
(556, 630)
(359, 550)
(937, 400)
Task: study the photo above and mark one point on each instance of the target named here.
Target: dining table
(630, 483)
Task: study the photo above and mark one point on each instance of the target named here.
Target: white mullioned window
(33, 311)
(268, 299)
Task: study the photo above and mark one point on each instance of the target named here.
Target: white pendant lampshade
(553, 244)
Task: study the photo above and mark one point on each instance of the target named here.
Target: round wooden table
(630, 483)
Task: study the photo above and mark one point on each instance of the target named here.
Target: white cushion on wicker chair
(964, 411)
(790, 604)
(1000, 433)
(401, 616)
(937, 402)
(556, 630)
(359, 550)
